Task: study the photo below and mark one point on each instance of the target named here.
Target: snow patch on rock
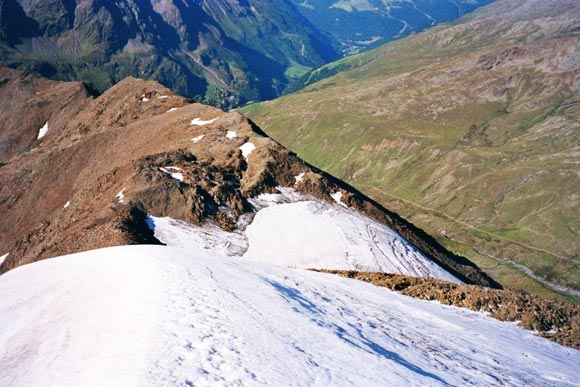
(174, 175)
(200, 122)
(42, 131)
(198, 138)
(121, 196)
(3, 257)
(172, 110)
(231, 134)
(337, 196)
(247, 148)
(67, 204)
(299, 177)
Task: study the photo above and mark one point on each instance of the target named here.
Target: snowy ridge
(154, 315)
(291, 229)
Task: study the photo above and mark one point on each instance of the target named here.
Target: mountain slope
(103, 174)
(221, 52)
(360, 24)
(153, 315)
(467, 130)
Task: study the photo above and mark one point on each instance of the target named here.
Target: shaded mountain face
(470, 130)
(140, 164)
(221, 52)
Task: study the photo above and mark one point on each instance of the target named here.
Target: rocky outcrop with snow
(139, 152)
(290, 229)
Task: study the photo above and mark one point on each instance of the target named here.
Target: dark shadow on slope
(290, 294)
(372, 347)
(15, 23)
(359, 340)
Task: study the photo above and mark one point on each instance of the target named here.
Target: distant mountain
(221, 52)
(360, 24)
(470, 130)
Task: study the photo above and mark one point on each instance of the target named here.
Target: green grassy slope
(470, 131)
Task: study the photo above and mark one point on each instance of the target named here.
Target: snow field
(293, 230)
(155, 315)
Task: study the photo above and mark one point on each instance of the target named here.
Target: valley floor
(153, 315)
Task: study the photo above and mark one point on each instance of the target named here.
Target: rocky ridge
(138, 150)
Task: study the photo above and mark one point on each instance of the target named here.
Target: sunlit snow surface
(161, 316)
(291, 229)
(42, 131)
